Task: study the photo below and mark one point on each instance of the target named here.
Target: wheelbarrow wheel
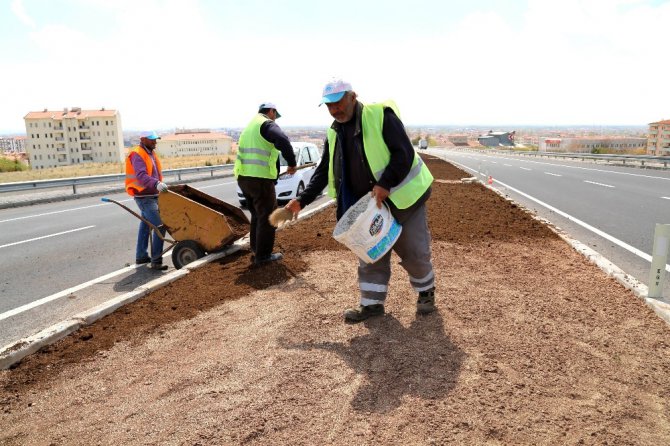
(185, 252)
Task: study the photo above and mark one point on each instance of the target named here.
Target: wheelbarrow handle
(151, 225)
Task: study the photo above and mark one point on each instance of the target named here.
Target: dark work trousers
(261, 201)
(413, 248)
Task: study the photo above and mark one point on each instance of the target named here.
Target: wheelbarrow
(198, 223)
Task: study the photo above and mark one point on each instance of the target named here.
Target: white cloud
(20, 12)
(167, 63)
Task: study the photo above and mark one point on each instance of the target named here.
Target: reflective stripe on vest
(132, 185)
(256, 156)
(418, 179)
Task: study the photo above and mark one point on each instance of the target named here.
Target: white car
(307, 157)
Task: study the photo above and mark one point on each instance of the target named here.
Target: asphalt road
(48, 248)
(612, 209)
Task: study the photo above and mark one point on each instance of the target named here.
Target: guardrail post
(658, 260)
(74, 189)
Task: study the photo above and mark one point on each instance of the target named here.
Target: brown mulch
(531, 345)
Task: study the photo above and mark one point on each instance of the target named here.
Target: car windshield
(282, 161)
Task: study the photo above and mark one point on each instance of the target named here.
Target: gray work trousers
(413, 248)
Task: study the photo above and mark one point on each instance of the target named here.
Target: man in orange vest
(144, 181)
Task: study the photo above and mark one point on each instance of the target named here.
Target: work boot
(362, 312)
(142, 261)
(271, 258)
(426, 302)
(157, 266)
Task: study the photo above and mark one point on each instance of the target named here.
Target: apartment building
(658, 138)
(590, 144)
(13, 144)
(73, 136)
(186, 142)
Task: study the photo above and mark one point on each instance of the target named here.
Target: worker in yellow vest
(367, 151)
(144, 181)
(256, 170)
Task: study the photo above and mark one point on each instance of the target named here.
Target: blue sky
(209, 63)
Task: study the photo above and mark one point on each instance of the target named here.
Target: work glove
(162, 187)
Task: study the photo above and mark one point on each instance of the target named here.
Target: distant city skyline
(166, 64)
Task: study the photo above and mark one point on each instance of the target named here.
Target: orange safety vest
(133, 186)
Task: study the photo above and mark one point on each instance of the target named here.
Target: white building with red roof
(195, 142)
(73, 136)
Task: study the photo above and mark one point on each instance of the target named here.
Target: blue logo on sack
(386, 242)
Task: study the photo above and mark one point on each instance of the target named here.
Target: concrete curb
(12, 354)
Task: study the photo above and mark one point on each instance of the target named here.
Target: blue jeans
(149, 210)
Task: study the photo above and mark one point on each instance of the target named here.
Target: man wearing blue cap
(368, 152)
(144, 180)
(257, 169)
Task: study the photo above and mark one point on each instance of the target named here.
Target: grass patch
(12, 165)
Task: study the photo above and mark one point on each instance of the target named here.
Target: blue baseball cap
(334, 91)
(151, 134)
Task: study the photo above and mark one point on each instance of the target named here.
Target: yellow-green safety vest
(417, 181)
(256, 156)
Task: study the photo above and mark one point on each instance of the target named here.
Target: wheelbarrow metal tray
(189, 214)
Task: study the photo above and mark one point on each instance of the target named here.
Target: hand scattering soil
(532, 344)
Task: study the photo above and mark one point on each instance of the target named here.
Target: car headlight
(286, 176)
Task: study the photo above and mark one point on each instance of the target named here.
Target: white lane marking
(598, 184)
(553, 174)
(581, 168)
(69, 291)
(666, 198)
(507, 165)
(63, 293)
(57, 212)
(524, 168)
(46, 236)
(217, 185)
(585, 225)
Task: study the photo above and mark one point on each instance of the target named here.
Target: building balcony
(59, 138)
(60, 127)
(61, 149)
(84, 127)
(86, 149)
(84, 138)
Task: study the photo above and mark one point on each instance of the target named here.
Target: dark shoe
(271, 258)
(426, 302)
(362, 312)
(158, 266)
(142, 261)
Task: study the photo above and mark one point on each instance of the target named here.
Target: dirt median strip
(531, 344)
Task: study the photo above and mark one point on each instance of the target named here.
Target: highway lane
(47, 248)
(623, 203)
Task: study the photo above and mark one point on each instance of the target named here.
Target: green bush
(7, 165)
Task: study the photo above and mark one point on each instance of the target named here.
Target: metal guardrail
(642, 160)
(114, 178)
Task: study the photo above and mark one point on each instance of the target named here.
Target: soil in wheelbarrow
(531, 345)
